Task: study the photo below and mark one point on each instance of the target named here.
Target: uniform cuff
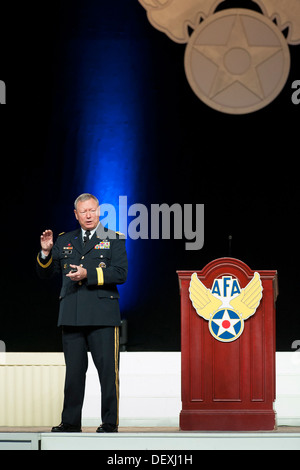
(46, 261)
(100, 277)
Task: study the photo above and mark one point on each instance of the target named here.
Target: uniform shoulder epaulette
(61, 233)
(121, 235)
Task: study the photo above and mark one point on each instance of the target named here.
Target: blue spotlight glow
(109, 118)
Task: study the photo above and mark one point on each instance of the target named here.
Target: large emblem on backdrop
(226, 306)
(237, 61)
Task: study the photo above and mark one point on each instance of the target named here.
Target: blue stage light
(109, 118)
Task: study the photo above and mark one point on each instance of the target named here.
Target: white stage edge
(183, 443)
(173, 441)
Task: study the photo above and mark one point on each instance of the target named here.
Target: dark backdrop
(84, 74)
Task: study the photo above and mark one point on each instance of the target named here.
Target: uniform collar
(92, 231)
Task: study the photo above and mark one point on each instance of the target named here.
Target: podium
(227, 355)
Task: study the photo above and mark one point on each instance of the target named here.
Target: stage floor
(152, 439)
(139, 429)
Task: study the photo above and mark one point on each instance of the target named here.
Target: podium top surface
(224, 264)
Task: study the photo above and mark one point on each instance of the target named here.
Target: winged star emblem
(237, 60)
(226, 306)
(174, 16)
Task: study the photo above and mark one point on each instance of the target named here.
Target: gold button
(82, 257)
(80, 283)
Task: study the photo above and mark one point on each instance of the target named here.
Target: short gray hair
(85, 197)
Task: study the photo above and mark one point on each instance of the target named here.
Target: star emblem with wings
(237, 60)
(226, 306)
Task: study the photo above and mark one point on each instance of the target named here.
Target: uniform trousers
(103, 343)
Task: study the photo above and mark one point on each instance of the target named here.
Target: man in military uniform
(92, 261)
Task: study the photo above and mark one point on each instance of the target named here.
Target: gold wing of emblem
(248, 300)
(287, 12)
(202, 299)
(153, 3)
(173, 17)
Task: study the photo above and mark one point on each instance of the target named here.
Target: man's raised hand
(47, 242)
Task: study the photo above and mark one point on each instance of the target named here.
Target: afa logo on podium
(226, 306)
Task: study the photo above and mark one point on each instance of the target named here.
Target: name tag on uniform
(102, 246)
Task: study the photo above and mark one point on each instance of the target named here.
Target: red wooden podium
(228, 385)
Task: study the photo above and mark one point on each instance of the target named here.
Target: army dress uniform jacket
(94, 301)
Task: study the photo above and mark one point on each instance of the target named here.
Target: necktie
(86, 237)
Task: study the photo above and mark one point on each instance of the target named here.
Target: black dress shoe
(63, 427)
(106, 427)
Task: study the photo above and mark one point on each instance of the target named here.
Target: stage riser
(20, 441)
(187, 443)
(183, 442)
